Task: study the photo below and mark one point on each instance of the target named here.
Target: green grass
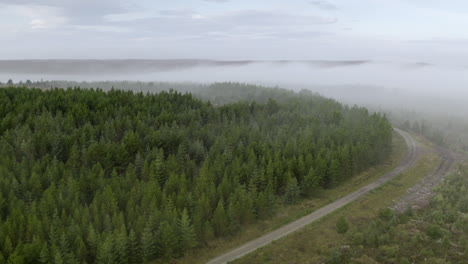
(288, 213)
(315, 242)
(437, 233)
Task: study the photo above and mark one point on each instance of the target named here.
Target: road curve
(251, 246)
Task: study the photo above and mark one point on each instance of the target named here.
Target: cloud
(177, 13)
(442, 41)
(323, 4)
(217, 1)
(148, 15)
(38, 24)
(241, 25)
(162, 22)
(125, 17)
(27, 17)
(101, 28)
(78, 11)
(275, 18)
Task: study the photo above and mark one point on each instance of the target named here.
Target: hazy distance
(406, 85)
(404, 54)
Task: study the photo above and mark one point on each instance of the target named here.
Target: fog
(415, 86)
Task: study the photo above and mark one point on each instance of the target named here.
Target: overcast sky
(432, 31)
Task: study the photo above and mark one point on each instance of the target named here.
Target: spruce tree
(148, 244)
(187, 238)
(220, 222)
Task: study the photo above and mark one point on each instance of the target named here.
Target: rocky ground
(420, 195)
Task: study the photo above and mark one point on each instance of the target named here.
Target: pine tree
(292, 190)
(120, 248)
(58, 258)
(92, 241)
(334, 173)
(132, 160)
(148, 243)
(187, 237)
(105, 253)
(157, 169)
(81, 250)
(233, 216)
(220, 222)
(134, 251)
(139, 164)
(44, 255)
(208, 232)
(310, 183)
(7, 246)
(167, 242)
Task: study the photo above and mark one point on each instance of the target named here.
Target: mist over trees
(440, 119)
(125, 177)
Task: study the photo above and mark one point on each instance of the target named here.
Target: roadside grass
(288, 213)
(316, 242)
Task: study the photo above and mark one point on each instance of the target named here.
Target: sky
(432, 31)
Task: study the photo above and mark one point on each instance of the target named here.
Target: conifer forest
(116, 176)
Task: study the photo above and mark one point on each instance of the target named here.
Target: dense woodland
(92, 176)
(437, 234)
(445, 129)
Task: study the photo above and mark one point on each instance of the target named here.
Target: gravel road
(251, 246)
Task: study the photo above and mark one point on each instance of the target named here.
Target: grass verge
(288, 213)
(315, 242)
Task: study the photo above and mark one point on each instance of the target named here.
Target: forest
(436, 234)
(116, 176)
(446, 127)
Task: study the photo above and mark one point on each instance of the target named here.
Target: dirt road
(409, 160)
(420, 195)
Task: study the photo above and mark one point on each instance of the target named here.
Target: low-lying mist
(415, 86)
(421, 94)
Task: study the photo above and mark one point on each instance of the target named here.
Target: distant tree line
(89, 176)
(422, 127)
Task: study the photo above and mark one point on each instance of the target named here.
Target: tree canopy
(93, 176)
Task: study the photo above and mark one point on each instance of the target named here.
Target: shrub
(434, 231)
(342, 225)
(386, 214)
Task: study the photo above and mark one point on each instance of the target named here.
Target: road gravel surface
(251, 246)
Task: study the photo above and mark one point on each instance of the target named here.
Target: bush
(386, 214)
(358, 238)
(342, 225)
(434, 231)
(339, 256)
(390, 250)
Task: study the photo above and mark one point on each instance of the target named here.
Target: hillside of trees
(93, 176)
(437, 234)
(216, 93)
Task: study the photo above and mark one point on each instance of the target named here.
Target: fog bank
(437, 88)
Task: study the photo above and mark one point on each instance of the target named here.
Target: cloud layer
(414, 30)
(323, 4)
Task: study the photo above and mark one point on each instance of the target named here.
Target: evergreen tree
(134, 252)
(120, 248)
(44, 255)
(187, 238)
(293, 190)
(105, 253)
(148, 244)
(310, 183)
(80, 167)
(220, 222)
(167, 242)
